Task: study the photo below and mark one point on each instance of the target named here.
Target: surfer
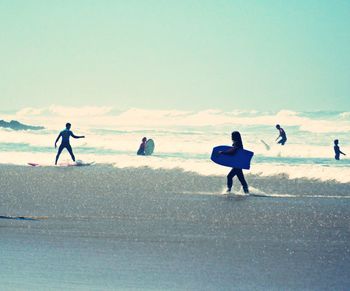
(282, 135)
(65, 134)
(141, 151)
(237, 144)
(337, 150)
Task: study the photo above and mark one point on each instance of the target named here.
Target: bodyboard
(241, 159)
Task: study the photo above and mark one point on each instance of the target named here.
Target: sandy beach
(103, 228)
(134, 100)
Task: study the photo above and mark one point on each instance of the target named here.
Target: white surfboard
(72, 164)
(149, 148)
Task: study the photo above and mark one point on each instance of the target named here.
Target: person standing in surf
(237, 145)
(282, 135)
(337, 150)
(65, 135)
(141, 151)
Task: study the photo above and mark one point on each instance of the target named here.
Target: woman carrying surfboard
(237, 145)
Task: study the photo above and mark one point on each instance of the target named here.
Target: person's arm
(230, 151)
(77, 136)
(57, 140)
(342, 153)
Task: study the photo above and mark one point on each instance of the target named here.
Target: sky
(175, 54)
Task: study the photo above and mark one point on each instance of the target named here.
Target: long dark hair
(237, 139)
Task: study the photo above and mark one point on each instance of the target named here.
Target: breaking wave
(184, 139)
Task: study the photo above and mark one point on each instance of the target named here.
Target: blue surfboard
(241, 159)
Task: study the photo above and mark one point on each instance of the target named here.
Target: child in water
(337, 150)
(141, 151)
(237, 144)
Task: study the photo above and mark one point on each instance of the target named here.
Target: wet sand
(102, 228)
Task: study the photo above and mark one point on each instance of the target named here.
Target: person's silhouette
(65, 134)
(141, 150)
(237, 144)
(282, 135)
(337, 150)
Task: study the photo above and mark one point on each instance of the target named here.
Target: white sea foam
(93, 116)
(203, 167)
(184, 139)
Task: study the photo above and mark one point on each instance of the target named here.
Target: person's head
(278, 126)
(336, 142)
(236, 137)
(68, 125)
(144, 139)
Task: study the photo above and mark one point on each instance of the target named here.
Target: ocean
(161, 222)
(184, 139)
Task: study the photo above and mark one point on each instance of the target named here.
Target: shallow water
(103, 228)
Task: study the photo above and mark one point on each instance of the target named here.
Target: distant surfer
(141, 151)
(65, 135)
(337, 150)
(237, 144)
(282, 135)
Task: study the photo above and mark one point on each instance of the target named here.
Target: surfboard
(23, 217)
(80, 163)
(76, 164)
(149, 148)
(241, 159)
(33, 164)
(267, 147)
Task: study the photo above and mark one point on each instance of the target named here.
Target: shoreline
(274, 184)
(109, 228)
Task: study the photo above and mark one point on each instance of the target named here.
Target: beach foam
(184, 139)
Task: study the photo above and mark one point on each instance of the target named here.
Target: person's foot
(245, 190)
(228, 191)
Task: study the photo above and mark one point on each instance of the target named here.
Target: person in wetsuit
(282, 135)
(237, 145)
(141, 151)
(337, 150)
(65, 134)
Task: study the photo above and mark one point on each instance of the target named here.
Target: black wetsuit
(337, 152)
(141, 151)
(235, 171)
(65, 134)
(283, 136)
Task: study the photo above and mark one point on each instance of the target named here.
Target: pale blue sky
(176, 54)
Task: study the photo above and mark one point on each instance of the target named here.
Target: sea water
(184, 139)
(161, 222)
(105, 228)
